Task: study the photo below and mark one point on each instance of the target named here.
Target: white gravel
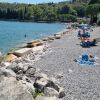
(80, 82)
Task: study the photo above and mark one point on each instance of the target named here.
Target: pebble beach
(51, 69)
(79, 82)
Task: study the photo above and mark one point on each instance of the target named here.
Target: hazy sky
(31, 1)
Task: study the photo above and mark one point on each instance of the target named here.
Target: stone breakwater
(20, 80)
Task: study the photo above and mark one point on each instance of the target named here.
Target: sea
(13, 34)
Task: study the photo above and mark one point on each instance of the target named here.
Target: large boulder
(46, 98)
(5, 64)
(48, 91)
(40, 83)
(50, 87)
(11, 89)
(30, 72)
(28, 86)
(7, 72)
(14, 67)
(58, 88)
(19, 68)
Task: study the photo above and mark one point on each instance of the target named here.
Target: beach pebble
(70, 71)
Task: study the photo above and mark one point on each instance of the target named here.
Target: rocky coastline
(20, 80)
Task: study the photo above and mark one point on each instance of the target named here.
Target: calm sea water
(12, 34)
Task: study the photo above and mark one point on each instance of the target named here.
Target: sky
(31, 1)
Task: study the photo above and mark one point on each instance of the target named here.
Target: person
(25, 35)
(83, 30)
(88, 42)
(79, 33)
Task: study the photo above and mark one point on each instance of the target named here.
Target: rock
(54, 80)
(19, 77)
(50, 92)
(46, 98)
(25, 68)
(59, 76)
(52, 85)
(20, 66)
(28, 86)
(11, 89)
(14, 67)
(40, 83)
(58, 36)
(5, 64)
(37, 70)
(10, 57)
(31, 72)
(27, 79)
(55, 86)
(70, 71)
(20, 72)
(41, 75)
(7, 72)
(61, 92)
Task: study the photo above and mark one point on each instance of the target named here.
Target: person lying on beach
(83, 35)
(88, 42)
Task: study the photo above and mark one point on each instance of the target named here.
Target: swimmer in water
(25, 35)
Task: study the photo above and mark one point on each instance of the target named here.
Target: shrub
(38, 93)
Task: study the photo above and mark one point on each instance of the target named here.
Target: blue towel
(88, 63)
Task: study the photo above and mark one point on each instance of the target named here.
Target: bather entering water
(25, 35)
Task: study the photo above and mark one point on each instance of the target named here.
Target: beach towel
(87, 63)
(88, 57)
(87, 60)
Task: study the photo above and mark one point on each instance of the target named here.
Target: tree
(93, 10)
(65, 9)
(94, 1)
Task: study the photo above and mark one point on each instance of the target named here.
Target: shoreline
(16, 20)
(29, 39)
(44, 40)
(56, 61)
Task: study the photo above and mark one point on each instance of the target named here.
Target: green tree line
(42, 12)
(63, 11)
